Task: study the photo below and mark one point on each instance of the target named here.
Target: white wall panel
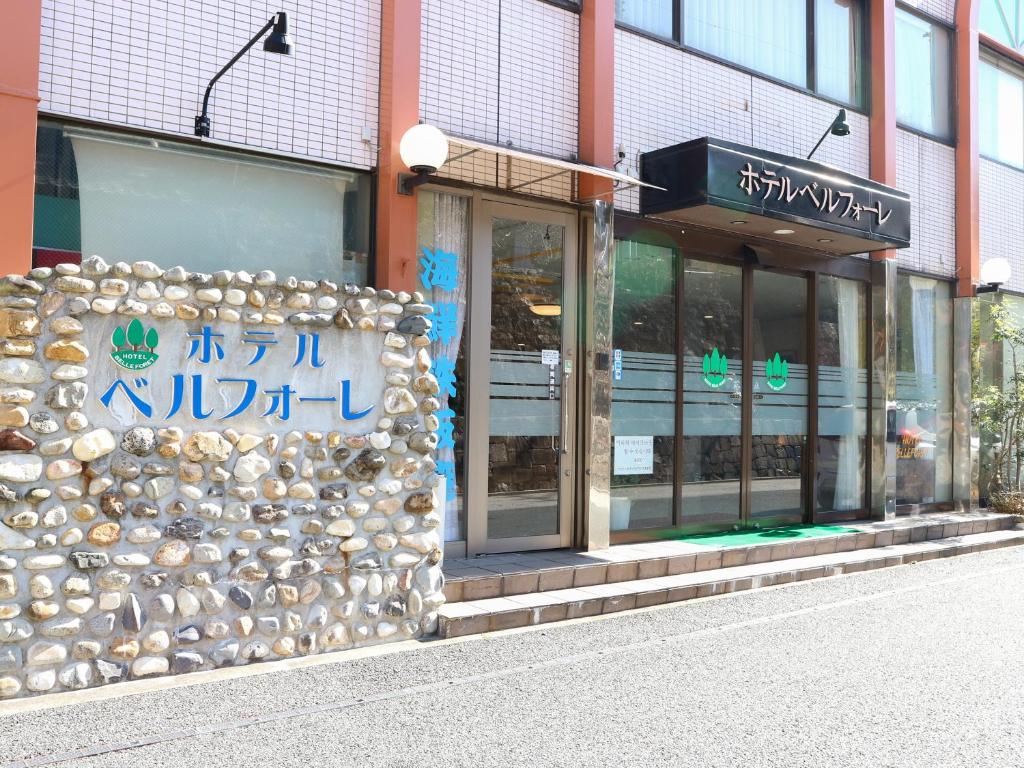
(1001, 199)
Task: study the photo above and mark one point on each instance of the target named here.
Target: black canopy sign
(731, 186)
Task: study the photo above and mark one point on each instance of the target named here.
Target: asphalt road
(919, 665)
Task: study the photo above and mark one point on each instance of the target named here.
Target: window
(812, 44)
(1003, 21)
(922, 74)
(129, 198)
(1001, 108)
(924, 391)
(643, 385)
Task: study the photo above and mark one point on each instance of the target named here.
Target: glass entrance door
(777, 463)
(525, 362)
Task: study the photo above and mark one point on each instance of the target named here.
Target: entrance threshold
(494, 592)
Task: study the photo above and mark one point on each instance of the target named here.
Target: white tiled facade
(1001, 198)
(502, 71)
(925, 170)
(146, 63)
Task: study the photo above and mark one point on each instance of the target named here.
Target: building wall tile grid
(538, 94)
(940, 9)
(664, 96)
(1001, 220)
(459, 67)
(925, 169)
(146, 63)
(502, 70)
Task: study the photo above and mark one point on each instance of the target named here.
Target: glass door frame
(478, 327)
(721, 248)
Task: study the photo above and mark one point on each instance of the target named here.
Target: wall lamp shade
(838, 127)
(546, 310)
(277, 42)
(423, 148)
(994, 273)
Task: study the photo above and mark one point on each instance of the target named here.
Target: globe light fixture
(994, 273)
(277, 42)
(423, 149)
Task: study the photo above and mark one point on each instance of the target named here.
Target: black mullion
(677, 21)
(679, 442)
(812, 75)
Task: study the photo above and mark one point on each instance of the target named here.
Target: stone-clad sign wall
(207, 470)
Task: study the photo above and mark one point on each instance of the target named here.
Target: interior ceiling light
(546, 310)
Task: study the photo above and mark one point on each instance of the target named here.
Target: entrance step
(508, 575)
(490, 614)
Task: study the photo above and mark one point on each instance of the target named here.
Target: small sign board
(634, 455)
(617, 365)
(550, 356)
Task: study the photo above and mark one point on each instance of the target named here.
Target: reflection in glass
(712, 391)
(779, 427)
(654, 16)
(924, 397)
(644, 393)
(443, 228)
(525, 378)
(842, 395)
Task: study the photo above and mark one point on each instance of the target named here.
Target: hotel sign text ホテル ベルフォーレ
(753, 192)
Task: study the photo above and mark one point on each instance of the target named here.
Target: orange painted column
(19, 105)
(882, 77)
(399, 111)
(968, 265)
(597, 95)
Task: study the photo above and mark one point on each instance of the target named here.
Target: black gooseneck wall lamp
(839, 127)
(277, 42)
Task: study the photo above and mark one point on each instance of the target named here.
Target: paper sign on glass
(634, 455)
(550, 356)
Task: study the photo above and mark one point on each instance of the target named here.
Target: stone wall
(179, 533)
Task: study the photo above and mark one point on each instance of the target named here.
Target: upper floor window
(922, 74)
(1003, 21)
(812, 44)
(1001, 111)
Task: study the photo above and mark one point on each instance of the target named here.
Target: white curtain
(207, 209)
(922, 311)
(835, 37)
(849, 477)
(770, 37)
(445, 218)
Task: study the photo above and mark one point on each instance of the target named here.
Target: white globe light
(995, 272)
(423, 148)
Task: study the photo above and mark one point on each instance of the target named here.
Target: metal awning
(462, 148)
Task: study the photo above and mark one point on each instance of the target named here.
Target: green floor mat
(748, 536)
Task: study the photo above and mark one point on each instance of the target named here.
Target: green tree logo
(134, 349)
(715, 368)
(776, 372)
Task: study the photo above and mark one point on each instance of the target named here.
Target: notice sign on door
(634, 455)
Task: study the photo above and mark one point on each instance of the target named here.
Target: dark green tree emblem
(776, 372)
(134, 349)
(715, 368)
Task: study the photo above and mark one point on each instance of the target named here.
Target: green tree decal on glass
(134, 349)
(776, 372)
(715, 368)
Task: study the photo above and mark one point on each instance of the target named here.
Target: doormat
(747, 536)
